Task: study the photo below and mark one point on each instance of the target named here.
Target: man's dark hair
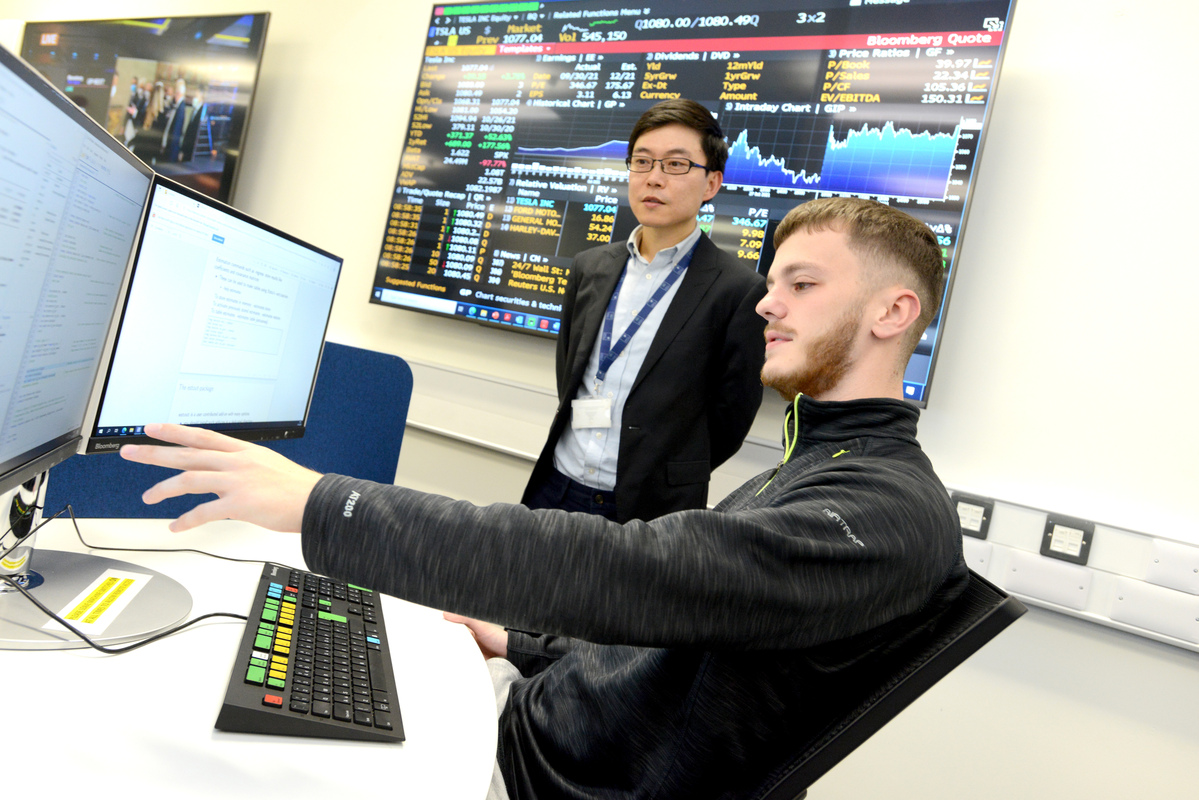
(689, 114)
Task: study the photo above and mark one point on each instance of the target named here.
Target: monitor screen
(514, 157)
(222, 325)
(71, 198)
(176, 90)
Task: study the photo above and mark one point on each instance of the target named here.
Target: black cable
(114, 650)
(31, 509)
(67, 509)
(71, 511)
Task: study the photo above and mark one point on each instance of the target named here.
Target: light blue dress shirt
(588, 455)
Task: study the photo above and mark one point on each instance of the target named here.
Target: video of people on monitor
(174, 90)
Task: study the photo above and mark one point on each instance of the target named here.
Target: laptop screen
(222, 325)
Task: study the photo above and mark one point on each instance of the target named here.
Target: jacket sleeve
(785, 575)
(533, 652)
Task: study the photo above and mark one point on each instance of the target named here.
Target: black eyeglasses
(671, 166)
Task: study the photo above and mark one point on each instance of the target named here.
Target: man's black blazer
(698, 391)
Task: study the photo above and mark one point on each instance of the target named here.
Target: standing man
(660, 347)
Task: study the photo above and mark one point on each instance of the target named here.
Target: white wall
(1067, 374)
(1064, 383)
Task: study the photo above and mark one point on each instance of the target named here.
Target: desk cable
(28, 512)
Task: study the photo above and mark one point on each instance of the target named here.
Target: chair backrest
(355, 427)
(976, 617)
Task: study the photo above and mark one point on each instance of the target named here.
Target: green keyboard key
(255, 675)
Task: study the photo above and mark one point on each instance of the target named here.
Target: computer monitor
(71, 200)
(176, 90)
(514, 155)
(222, 325)
(73, 203)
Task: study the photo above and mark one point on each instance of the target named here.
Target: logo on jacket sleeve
(350, 501)
(844, 527)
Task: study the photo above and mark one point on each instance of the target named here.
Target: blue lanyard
(609, 352)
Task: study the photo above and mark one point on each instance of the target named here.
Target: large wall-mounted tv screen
(177, 91)
(514, 156)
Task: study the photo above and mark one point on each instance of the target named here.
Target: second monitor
(222, 325)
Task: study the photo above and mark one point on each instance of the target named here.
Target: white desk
(83, 724)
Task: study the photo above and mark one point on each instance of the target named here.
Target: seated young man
(682, 657)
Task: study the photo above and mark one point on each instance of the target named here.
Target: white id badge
(591, 412)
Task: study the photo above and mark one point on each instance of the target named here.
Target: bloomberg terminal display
(514, 156)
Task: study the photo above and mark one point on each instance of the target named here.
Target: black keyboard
(313, 661)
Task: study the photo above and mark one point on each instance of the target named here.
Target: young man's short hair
(892, 244)
(689, 114)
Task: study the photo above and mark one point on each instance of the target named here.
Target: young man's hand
(491, 638)
(252, 483)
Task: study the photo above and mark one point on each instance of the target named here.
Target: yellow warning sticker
(95, 608)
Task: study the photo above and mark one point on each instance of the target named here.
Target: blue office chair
(355, 427)
(873, 697)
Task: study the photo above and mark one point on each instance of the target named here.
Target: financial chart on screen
(513, 160)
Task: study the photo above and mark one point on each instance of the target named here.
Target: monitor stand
(56, 578)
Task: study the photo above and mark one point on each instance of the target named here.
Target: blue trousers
(559, 491)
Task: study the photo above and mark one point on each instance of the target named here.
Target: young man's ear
(899, 311)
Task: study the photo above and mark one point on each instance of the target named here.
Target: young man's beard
(828, 360)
